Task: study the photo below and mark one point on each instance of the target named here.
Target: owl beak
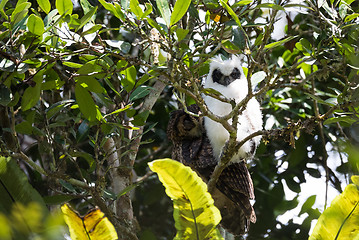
(226, 81)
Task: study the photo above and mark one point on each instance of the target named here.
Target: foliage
(86, 89)
(340, 220)
(194, 213)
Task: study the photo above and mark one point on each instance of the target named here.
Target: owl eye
(217, 75)
(236, 74)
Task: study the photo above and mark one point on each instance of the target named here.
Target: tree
(87, 88)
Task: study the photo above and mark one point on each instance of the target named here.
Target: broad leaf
(341, 219)
(20, 12)
(64, 6)
(86, 103)
(136, 9)
(140, 92)
(195, 215)
(116, 11)
(180, 8)
(92, 226)
(164, 9)
(32, 94)
(35, 25)
(130, 78)
(44, 5)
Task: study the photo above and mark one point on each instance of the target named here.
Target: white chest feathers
(227, 78)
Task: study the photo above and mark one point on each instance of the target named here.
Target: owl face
(225, 72)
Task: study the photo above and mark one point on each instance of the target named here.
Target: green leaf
(24, 127)
(279, 43)
(2, 5)
(239, 37)
(155, 25)
(208, 91)
(147, 11)
(341, 219)
(136, 9)
(318, 99)
(112, 8)
(119, 110)
(35, 25)
(140, 92)
(125, 4)
(211, 4)
(351, 17)
(130, 78)
(181, 33)
(44, 5)
(270, 5)
(86, 6)
(15, 188)
(86, 103)
(72, 64)
(179, 10)
(32, 94)
(85, 19)
(58, 199)
(90, 83)
(242, 3)
(345, 119)
(140, 119)
(164, 9)
(20, 12)
(230, 47)
(93, 68)
(231, 12)
(57, 107)
(93, 29)
(307, 204)
(64, 6)
(194, 213)
(127, 189)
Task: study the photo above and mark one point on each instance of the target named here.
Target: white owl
(227, 77)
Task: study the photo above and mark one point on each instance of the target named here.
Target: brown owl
(234, 187)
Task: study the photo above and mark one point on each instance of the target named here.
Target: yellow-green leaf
(64, 6)
(341, 219)
(44, 5)
(136, 9)
(35, 25)
(195, 215)
(92, 226)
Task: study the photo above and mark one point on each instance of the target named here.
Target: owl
(198, 142)
(227, 77)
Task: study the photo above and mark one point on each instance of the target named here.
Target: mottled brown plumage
(192, 147)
